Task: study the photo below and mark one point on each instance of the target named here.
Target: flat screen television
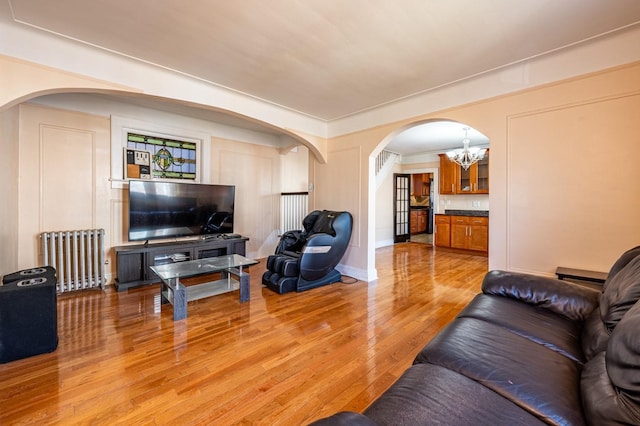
(173, 209)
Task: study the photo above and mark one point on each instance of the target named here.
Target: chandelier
(466, 156)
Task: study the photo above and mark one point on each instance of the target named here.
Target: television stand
(134, 262)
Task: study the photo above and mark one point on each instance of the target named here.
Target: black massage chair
(306, 259)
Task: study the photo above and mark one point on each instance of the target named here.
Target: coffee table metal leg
(244, 287)
(179, 301)
(243, 281)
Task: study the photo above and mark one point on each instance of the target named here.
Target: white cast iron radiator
(294, 206)
(78, 257)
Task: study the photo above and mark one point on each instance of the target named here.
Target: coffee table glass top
(201, 266)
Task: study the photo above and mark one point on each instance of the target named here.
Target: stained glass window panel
(170, 158)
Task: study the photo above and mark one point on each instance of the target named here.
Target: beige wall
(63, 161)
(593, 111)
(255, 171)
(338, 185)
(580, 207)
(347, 182)
(295, 170)
(25, 80)
(385, 208)
(64, 168)
(9, 236)
(564, 189)
(66, 157)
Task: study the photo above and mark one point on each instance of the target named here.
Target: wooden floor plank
(278, 359)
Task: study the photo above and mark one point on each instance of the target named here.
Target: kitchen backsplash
(462, 202)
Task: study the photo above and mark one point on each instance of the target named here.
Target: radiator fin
(78, 257)
(294, 206)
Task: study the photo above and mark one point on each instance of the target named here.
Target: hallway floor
(422, 238)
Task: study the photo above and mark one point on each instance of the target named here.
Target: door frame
(436, 182)
(401, 208)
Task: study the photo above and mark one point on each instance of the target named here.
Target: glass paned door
(401, 204)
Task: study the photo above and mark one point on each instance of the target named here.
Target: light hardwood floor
(279, 359)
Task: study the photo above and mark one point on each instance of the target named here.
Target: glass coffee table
(176, 293)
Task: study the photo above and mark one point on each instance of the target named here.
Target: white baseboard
(358, 273)
(384, 243)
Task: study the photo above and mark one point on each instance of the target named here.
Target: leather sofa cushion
(620, 294)
(539, 380)
(602, 403)
(623, 356)
(432, 395)
(562, 297)
(539, 325)
(622, 261)
(595, 336)
(611, 380)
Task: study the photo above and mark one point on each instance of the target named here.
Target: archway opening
(416, 149)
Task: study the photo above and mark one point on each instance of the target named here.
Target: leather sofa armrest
(562, 297)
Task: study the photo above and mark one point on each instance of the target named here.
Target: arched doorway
(418, 145)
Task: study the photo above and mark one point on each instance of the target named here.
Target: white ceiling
(330, 58)
(435, 137)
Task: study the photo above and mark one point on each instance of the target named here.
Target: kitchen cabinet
(475, 180)
(456, 180)
(418, 221)
(462, 232)
(442, 235)
(479, 234)
(422, 221)
(448, 175)
(421, 184)
(459, 231)
(470, 233)
(413, 220)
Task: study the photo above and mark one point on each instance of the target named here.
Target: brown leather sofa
(528, 350)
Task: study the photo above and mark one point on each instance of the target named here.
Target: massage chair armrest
(316, 241)
(315, 244)
(562, 297)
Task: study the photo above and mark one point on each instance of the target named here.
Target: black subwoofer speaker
(40, 271)
(28, 314)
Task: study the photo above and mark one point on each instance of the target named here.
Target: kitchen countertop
(476, 213)
(419, 207)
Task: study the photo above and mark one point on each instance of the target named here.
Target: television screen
(170, 209)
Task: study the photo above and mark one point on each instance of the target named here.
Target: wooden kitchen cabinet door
(442, 236)
(479, 234)
(448, 175)
(459, 232)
